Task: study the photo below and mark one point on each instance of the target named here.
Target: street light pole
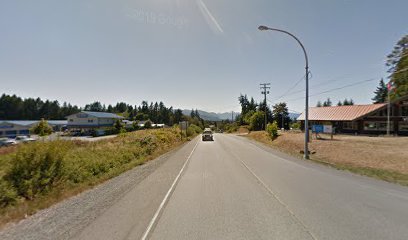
(306, 147)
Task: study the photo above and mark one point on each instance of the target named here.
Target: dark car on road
(207, 135)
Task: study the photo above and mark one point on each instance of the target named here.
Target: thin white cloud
(211, 21)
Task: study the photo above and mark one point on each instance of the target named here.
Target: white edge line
(166, 198)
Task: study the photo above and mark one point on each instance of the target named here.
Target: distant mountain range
(212, 116)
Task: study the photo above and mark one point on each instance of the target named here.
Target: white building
(86, 119)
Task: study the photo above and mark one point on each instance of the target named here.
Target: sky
(196, 53)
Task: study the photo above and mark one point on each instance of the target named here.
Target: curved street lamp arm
(262, 28)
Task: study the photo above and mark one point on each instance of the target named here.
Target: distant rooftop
(57, 122)
(32, 122)
(20, 122)
(102, 114)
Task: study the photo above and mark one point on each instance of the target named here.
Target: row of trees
(13, 107)
(157, 112)
(329, 103)
(253, 113)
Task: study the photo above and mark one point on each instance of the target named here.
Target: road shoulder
(122, 205)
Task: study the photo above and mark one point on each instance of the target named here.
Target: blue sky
(195, 53)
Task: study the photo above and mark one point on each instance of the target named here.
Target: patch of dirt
(388, 153)
(243, 130)
(7, 150)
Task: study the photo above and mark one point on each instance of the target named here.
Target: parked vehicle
(24, 139)
(7, 142)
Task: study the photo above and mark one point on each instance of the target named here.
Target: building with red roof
(362, 119)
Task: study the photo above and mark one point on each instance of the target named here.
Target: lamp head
(263, 28)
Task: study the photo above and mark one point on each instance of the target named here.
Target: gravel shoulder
(89, 215)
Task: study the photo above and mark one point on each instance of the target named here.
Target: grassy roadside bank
(373, 157)
(37, 175)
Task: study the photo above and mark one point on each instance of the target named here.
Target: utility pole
(283, 122)
(388, 114)
(232, 116)
(265, 90)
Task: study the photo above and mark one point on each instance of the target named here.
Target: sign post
(323, 129)
(328, 129)
(183, 126)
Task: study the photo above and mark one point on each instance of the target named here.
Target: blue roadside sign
(317, 128)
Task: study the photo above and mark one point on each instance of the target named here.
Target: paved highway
(234, 188)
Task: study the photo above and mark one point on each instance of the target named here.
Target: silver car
(24, 139)
(7, 142)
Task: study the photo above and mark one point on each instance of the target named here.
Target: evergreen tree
(269, 114)
(280, 112)
(347, 102)
(381, 93)
(178, 115)
(197, 114)
(327, 103)
(397, 62)
(94, 107)
(192, 113)
(243, 100)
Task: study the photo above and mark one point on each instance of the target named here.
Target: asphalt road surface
(231, 188)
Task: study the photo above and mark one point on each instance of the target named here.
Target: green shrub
(148, 124)
(8, 195)
(118, 125)
(190, 132)
(272, 129)
(193, 130)
(231, 127)
(135, 125)
(36, 167)
(295, 125)
(111, 131)
(257, 121)
(247, 117)
(93, 133)
(42, 128)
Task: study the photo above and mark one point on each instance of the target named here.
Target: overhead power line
(335, 89)
(290, 89)
(324, 83)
